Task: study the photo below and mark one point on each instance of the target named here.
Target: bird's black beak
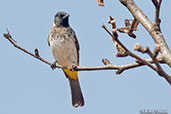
(66, 16)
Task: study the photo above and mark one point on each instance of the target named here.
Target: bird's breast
(64, 51)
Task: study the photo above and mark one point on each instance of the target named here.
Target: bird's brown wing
(72, 35)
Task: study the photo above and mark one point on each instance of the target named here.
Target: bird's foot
(53, 65)
(72, 67)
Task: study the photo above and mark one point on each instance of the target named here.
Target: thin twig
(9, 37)
(116, 67)
(161, 72)
(157, 12)
(155, 2)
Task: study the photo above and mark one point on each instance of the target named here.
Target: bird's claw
(53, 65)
(72, 67)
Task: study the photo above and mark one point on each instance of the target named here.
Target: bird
(65, 49)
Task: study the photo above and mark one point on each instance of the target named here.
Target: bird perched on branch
(65, 49)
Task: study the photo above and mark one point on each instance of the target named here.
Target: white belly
(64, 51)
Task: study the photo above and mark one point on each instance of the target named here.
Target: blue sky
(28, 86)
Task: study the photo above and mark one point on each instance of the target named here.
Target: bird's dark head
(61, 19)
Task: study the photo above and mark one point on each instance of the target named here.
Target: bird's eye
(61, 15)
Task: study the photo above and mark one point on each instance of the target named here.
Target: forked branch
(153, 29)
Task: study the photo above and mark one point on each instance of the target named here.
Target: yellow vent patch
(71, 74)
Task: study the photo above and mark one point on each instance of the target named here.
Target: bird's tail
(77, 97)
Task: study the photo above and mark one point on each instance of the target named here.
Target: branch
(107, 66)
(115, 39)
(159, 70)
(151, 28)
(157, 5)
(153, 56)
(155, 2)
(36, 55)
